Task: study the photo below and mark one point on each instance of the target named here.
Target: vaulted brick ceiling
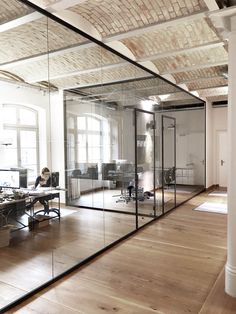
(176, 38)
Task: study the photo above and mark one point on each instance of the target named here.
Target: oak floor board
(218, 302)
(168, 267)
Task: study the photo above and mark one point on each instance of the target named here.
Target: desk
(7, 207)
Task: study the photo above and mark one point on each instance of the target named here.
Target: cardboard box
(38, 221)
(5, 235)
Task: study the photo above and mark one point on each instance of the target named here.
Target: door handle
(222, 162)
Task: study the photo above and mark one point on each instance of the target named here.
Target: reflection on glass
(144, 185)
(168, 162)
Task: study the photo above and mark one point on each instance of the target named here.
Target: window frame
(18, 127)
(75, 131)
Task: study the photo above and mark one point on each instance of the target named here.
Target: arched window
(20, 126)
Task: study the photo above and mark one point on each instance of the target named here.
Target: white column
(230, 270)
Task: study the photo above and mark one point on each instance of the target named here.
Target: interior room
(123, 147)
(125, 132)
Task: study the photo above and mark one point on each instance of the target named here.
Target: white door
(222, 158)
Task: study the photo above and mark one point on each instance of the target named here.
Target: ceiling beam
(212, 87)
(20, 21)
(58, 6)
(195, 67)
(200, 79)
(212, 5)
(213, 91)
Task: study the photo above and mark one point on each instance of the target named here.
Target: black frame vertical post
(163, 158)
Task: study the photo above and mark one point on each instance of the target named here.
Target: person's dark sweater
(42, 182)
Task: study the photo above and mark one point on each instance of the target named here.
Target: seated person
(44, 180)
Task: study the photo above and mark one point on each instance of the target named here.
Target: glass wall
(190, 152)
(24, 151)
(95, 121)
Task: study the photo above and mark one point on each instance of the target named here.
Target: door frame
(217, 150)
(136, 111)
(163, 158)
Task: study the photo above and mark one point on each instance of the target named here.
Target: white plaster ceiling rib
(58, 6)
(20, 21)
(220, 20)
(208, 92)
(212, 5)
(200, 78)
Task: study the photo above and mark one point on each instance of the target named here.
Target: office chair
(46, 199)
(169, 176)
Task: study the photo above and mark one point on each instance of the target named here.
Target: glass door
(144, 185)
(168, 163)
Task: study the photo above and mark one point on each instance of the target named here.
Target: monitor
(23, 176)
(55, 179)
(9, 179)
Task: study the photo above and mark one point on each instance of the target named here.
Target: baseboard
(212, 188)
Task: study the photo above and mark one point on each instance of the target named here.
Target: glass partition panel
(190, 152)
(168, 175)
(144, 187)
(24, 108)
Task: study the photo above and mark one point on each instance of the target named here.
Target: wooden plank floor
(218, 302)
(168, 267)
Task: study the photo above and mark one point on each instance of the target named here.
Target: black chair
(169, 176)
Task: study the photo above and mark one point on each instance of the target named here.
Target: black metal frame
(163, 117)
(136, 111)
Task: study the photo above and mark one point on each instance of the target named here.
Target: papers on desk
(41, 190)
(38, 191)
